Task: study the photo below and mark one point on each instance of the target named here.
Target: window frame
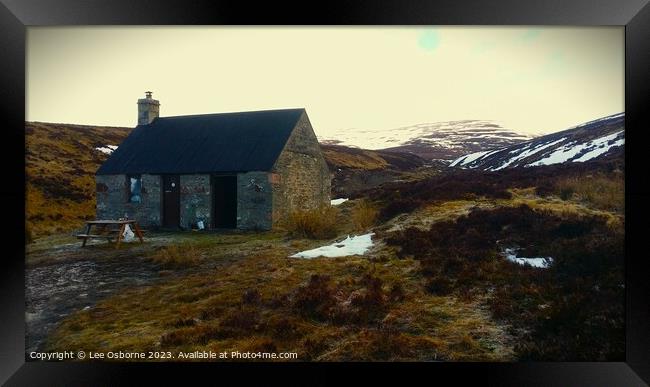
(129, 187)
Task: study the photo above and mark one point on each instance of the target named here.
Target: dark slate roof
(226, 142)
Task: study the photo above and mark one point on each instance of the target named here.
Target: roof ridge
(228, 113)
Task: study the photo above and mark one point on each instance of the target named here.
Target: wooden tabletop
(110, 221)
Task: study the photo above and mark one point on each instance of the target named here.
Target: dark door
(224, 201)
(171, 201)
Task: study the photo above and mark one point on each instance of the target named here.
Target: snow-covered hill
(604, 136)
(439, 140)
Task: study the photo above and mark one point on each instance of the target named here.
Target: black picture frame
(16, 15)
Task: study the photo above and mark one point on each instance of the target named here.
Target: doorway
(171, 201)
(224, 201)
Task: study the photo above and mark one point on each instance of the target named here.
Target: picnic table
(107, 230)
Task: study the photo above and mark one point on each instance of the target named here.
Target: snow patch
(602, 146)
(540, 262)
(528, 152)
(467, 159)
(357, 245)
(108, 149)
(336, 202)
(561, 155)
(567, 152)
(471, 157)
(458, 160)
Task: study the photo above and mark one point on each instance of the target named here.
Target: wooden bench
(90, 236)
(110, 233)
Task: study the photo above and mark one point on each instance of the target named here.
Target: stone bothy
(245, 170)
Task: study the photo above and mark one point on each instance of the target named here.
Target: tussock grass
(318, 223)
(364, 215)
(177, 256)
(566, 209)
(599, 190)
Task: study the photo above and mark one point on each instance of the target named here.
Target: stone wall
(196, 200)
(304, 180)
(112, 199)
(254, 201)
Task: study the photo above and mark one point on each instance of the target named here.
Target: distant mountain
(594, 139)
(439, 140)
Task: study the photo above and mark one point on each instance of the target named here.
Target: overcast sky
(530, 79)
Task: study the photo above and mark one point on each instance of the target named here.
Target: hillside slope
(355, 169)
(604, 137)
(338, 156)
(60, 163)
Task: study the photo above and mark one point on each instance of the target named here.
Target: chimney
(148, 109)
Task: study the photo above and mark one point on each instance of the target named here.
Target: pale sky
(530, 79)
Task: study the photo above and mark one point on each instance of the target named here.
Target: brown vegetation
(355, 169)
(602, 191)
(60, 164)
(318, 223)
(338, 156)
(177, 256)
(570, 312)
(364, 215)
(322, 309)
(472, 184)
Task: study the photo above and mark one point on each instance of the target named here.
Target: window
(134, 183)
(274, 178)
